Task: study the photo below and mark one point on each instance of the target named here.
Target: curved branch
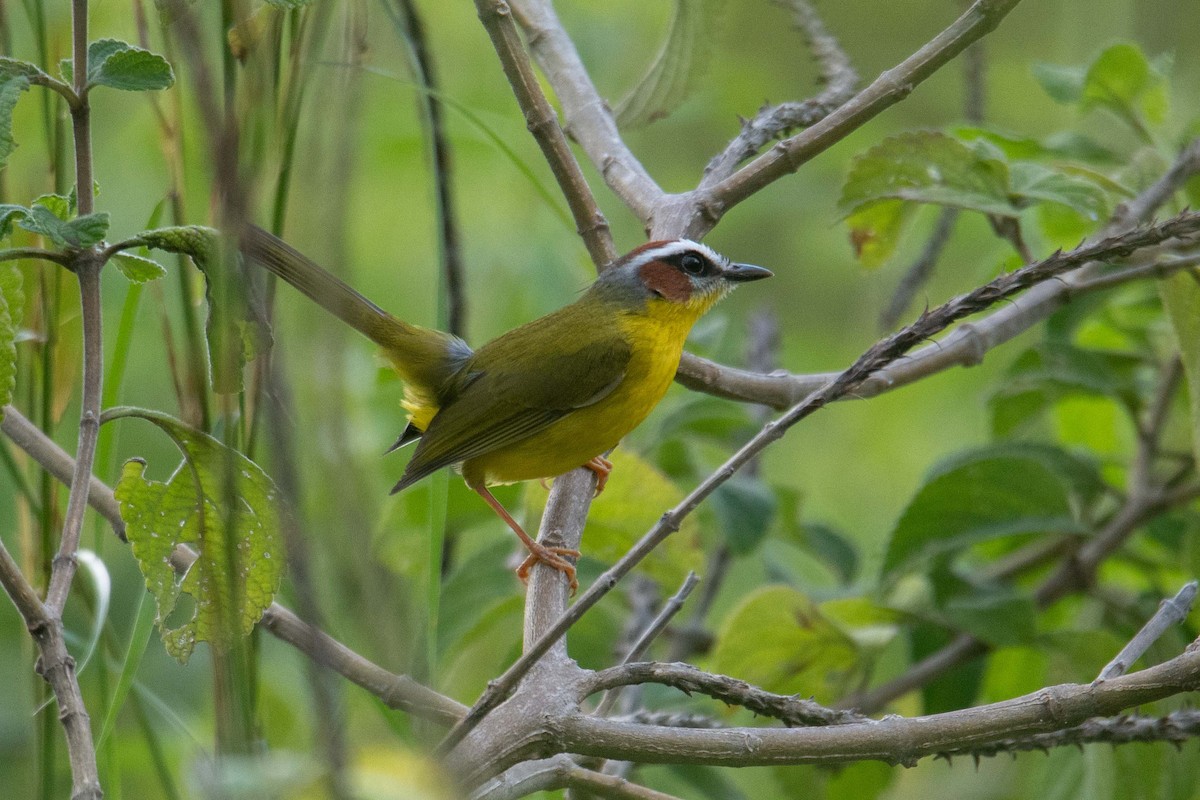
(895, 740)
(792, 710)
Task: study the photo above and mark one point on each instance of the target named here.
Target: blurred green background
(362, 203)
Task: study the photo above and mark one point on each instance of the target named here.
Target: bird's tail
(424, 358)
(328, 290)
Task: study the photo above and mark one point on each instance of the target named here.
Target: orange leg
(550, 556)
(602, 467)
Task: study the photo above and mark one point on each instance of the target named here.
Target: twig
(792, 710)
(894, 740)
(652, 631)
(543, 124)
(837, 74)
(919, 272)
(883, 353)
(17, 253)
(561, 772)
(1176, 728)
(396, 691)
(587, 118)
(57, 667)
(889, 88)
(1170, 612)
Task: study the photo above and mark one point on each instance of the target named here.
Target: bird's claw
(602, 467)
(551, 557)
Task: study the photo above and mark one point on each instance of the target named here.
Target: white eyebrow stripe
(675, 248)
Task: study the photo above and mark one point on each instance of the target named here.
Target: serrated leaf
(87, 230)
(138, 269)
(676, 70)
(744, 509)
(10, 92)
(12, 302)
(9, 213)
(993, 493)
(921, 167)
(636, 496)
(61, 205)
(15, 68)
(220, 504)
(1181, 299)
(120, 65)
(1122, 80)
(778, 639)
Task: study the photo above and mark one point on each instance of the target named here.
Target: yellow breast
(656, 335)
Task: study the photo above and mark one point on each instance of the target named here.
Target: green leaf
(10, 92)
(1063, 84)
(1181, 299)
(138, 269)
(9, 213)
(120, 65)
(745, 508)
(678, 67)
(1034, 183)
(920, 167)
(778, 638)
(1123, 81)
(1001, 619)
(12, 303)
(220, 504)
(78, 233)
(636, 496)
(15, 68)
(989, 494)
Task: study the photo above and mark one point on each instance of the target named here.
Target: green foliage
(120, 65)
(887, 183)
(10, 92)
(1181, 299)
(223, 506)
(139, 269)
(12, 302)
(744, 509)
(1120, 80)
(779, 639)
(75, 233)
(991, 493)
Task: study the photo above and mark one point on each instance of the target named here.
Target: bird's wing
(503, 406)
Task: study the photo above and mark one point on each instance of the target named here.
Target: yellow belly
(586, 433)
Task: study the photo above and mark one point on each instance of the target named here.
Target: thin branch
(889, 88)
(1170, 612)
(561, 772)
(57, 667)
(17, 253)
(792, 710)
(837, 74)
(610, 786)
(543, 124)
(883, 353)
(894, 740)
(1176, 728)
(587, 118)
(921, 270)
(651, 632)
(396, 691)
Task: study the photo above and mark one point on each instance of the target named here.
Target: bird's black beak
(740, 273)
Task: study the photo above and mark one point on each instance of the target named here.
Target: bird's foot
(551, 557)
(602, 467)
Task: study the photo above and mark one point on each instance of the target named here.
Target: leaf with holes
(222, 506)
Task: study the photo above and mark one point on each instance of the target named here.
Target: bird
(544, 398)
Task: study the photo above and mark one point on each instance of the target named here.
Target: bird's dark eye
(692, 264)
